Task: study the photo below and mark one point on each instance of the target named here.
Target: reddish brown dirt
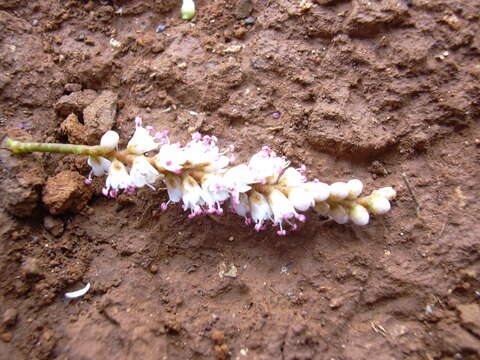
(367, 89)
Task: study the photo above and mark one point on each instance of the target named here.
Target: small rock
(81, 37)
(160, 28)
(53, 225)
(65, 192)
(335, 303)
(153, 268)
(99, 116)
(74, 130)
(243, 8)
(218, 336)
(72, 87)
(6, 336)
(21, 178)
(240, 32)
(249, 20)
(470, 316)
(9, 317)
(75, 102)
(232, 272)
(30, 268)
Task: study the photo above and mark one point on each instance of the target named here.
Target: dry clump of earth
(384, 91)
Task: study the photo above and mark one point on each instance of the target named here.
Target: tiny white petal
(174, 187)
(78, 293)
(339, 214)
(110, 139)
(359, 215)
(339, 191)
(355, 188)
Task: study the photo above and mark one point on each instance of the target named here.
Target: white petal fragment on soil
(78, 293)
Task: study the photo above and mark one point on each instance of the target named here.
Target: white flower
(387, 192)
(141, 142)
(355, 188)
(291, 177)
(192, 196)
(359, 215)
(236, 180)
(213, 193)
(110, 139)
(266, 166)
(242, 208)
(142, 172)
(281, 207)
(320, 191)
(118, 178)
(170, 157)
(259, 208)
(339, 191)
(174, 187)
(323, 208)
(339, 214)
(188, 9)
(301, 199)
(99, 165)
(378, 204)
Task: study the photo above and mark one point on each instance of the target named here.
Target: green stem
(19, 147)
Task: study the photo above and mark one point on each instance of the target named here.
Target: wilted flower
(117, 179)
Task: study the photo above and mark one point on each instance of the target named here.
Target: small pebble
(153, 269)
(34, 22)
(81, 37)
(276, 115)
(249, 20)
(160, 28)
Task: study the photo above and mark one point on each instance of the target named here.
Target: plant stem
(19, 147)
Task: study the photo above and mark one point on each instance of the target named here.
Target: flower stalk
(266, 190)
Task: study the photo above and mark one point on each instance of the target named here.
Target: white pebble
(78, 293)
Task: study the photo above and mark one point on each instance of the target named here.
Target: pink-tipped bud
(258, 227)
(138, 121)
(281, 232)
(88, 181)
(219, 211)
(294, 227)
(113, 194)
(163, 206)
(248, 221)
(301, 217)
(105, 192)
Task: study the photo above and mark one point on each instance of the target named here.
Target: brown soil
(368, 89)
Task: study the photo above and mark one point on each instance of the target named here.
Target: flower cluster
(266, 190)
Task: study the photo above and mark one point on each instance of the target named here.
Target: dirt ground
(386, 91)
